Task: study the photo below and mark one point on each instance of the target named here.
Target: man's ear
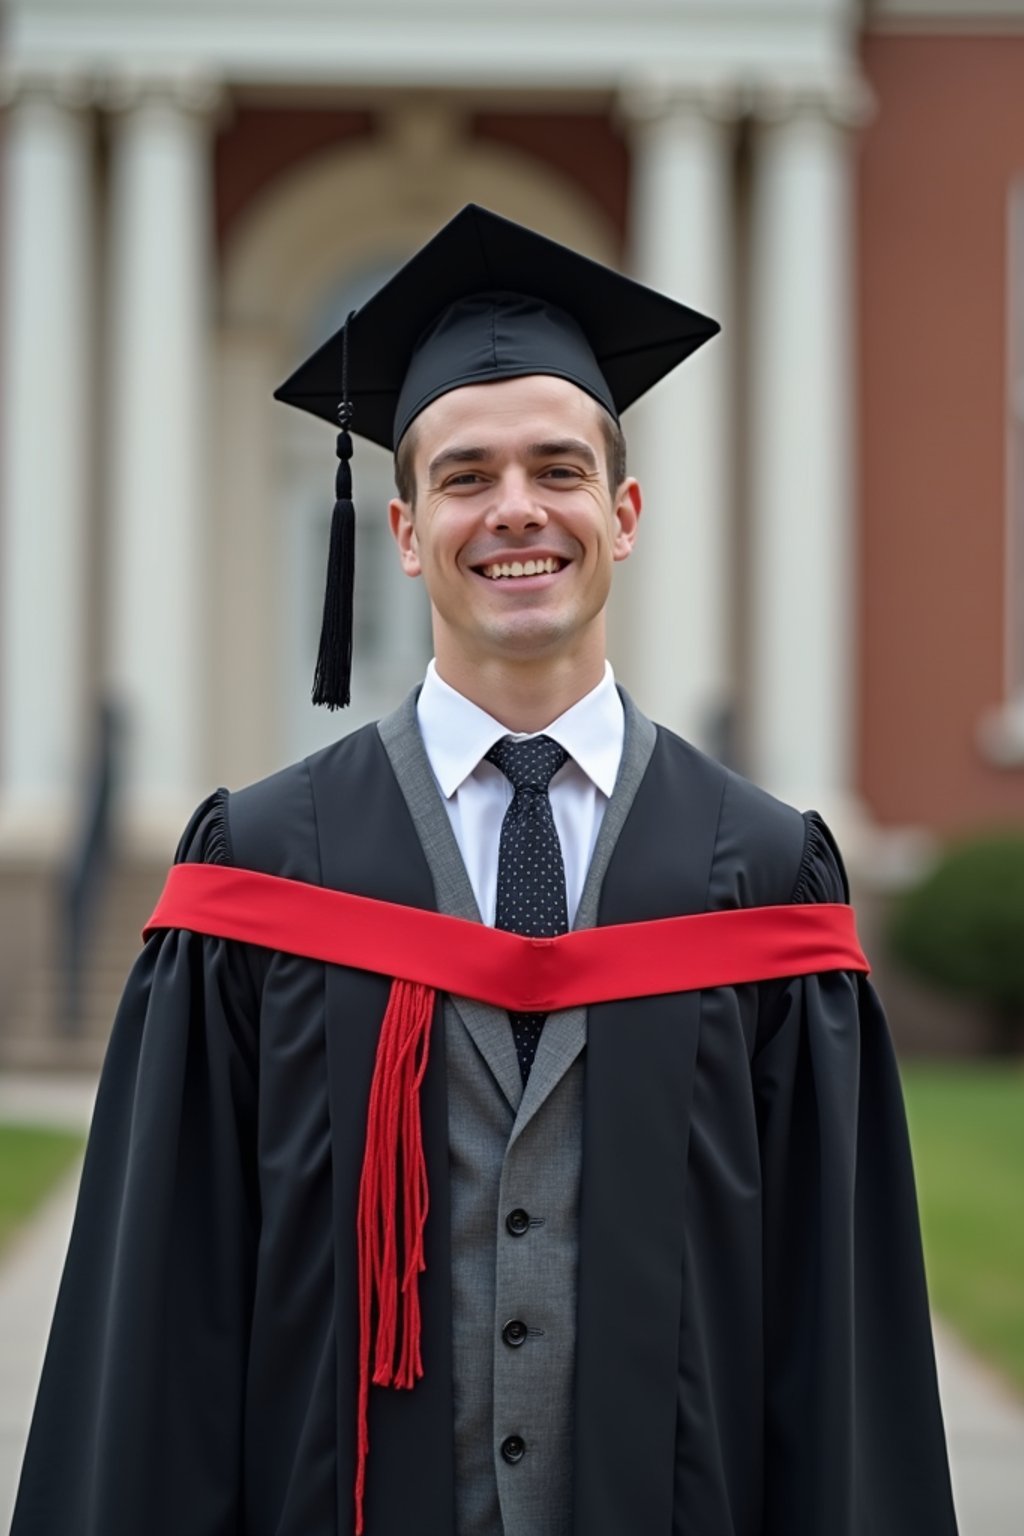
(629, 504)
(403, 531)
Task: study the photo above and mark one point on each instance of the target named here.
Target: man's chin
(527, 636)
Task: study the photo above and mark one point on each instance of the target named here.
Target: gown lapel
(487, 1026)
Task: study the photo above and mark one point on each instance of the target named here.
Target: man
(673, 1281)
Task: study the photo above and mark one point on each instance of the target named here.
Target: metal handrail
(88, 867)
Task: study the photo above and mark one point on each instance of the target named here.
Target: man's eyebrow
(459, 455)
(564, 448)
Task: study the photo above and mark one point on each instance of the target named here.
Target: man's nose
(516, 506)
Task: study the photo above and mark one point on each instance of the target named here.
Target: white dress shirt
(457, 734)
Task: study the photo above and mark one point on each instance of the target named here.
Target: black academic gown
(754, 1353)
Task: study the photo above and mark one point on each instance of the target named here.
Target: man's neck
(524, 697)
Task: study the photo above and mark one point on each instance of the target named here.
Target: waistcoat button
(514, 1333)
(517, 1222)
(513, 1449)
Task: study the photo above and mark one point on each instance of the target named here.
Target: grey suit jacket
(511, 1150)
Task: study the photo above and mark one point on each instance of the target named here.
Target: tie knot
(529, 764)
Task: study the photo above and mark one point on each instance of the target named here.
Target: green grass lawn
(32, 1159)
(967, 1129)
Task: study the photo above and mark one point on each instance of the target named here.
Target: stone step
(95, 1023)
(44, 1001)
(34, 1052)
(30, 1032)
(48, 985)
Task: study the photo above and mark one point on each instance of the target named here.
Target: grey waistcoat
(511, 1150)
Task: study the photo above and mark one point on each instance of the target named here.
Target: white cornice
(356, 13)
(451, 44)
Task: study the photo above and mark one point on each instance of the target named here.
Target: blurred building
(829, 590)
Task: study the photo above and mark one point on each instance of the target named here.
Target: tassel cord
(394, 1147)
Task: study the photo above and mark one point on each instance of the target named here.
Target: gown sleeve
(854, 1437)
(138, 1422)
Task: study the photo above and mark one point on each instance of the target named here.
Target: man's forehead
(535, 407)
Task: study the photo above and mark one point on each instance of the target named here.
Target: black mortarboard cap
(485, 299)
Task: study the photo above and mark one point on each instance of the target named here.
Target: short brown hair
(614, 452)
(405, 476)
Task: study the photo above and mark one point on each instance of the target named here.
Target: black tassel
(332, 679)
(333, 675)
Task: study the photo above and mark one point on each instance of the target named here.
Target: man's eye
(563, 471)
(468, 477)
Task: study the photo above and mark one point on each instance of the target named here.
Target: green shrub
(962, 928)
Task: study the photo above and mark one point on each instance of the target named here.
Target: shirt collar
(457, 733)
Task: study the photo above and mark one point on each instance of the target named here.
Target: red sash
(449, 954)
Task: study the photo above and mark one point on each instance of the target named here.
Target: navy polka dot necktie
(531, 875)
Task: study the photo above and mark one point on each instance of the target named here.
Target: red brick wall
(935, 167)
(259, 144)
(586, 148)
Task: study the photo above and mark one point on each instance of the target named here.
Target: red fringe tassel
(394, 1149)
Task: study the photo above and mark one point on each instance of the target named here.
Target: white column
(803, 556)
(675, 625)
(46, 227)
(160, 315)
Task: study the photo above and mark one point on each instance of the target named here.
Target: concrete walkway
(985, 1431)
(30, 1272)
(984, 1421)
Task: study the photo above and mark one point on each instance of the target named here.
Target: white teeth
(511, 569)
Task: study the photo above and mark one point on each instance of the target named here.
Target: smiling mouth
(512, 570)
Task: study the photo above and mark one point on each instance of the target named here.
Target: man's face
(515, 527)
